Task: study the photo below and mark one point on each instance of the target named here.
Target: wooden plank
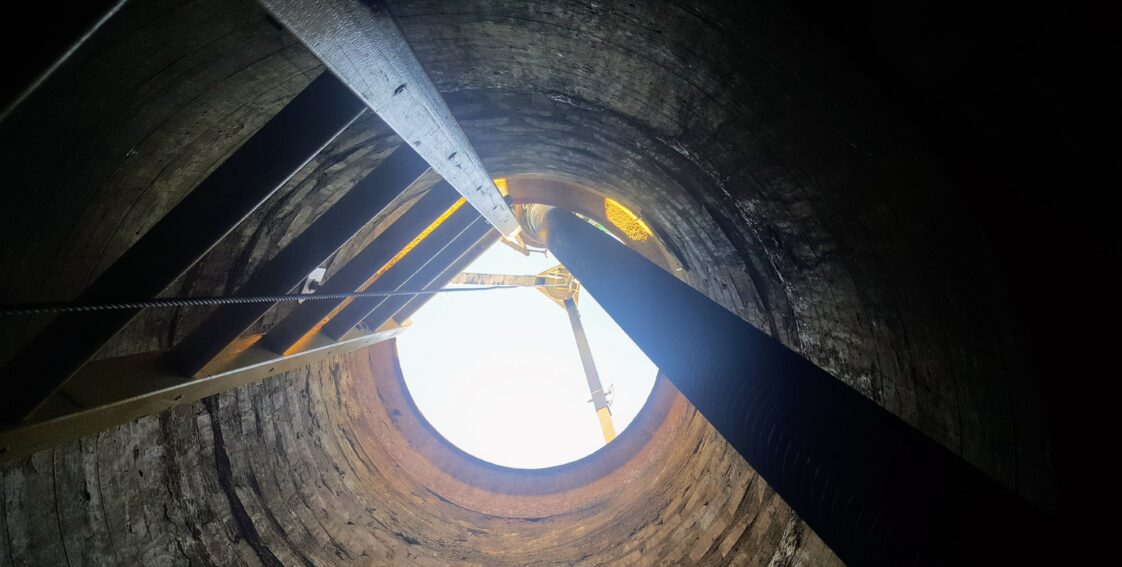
(110, 392)
(361, 44)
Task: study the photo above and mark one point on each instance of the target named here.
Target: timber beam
(110, 392)
(361, 44)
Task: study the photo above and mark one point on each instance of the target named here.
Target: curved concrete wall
(787, 191)
(330, 465)
(796, 201)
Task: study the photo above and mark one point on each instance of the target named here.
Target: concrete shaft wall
(787, 190)
(310, 468)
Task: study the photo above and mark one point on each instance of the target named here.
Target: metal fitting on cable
(534, 226)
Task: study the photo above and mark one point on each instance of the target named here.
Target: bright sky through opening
(498, 374)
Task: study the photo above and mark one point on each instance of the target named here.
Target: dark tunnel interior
(912, 196)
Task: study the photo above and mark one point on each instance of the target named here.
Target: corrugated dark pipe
(875, 489)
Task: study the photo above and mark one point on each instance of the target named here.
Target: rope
(171, 302)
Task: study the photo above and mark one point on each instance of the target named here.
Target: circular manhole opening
(499, 375)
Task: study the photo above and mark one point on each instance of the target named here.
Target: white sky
(497, 372)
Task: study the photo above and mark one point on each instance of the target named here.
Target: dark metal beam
(233, 191)
(360, 43)
(447, 275)
(423, 278)
(357, 272)
(290, 266)
(875, 489)
(110, 392)
(430, 257)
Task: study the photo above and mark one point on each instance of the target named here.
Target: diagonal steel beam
(207, 214)
(361, 44)
(368, 198)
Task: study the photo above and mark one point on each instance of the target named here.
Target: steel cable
(171, 302)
